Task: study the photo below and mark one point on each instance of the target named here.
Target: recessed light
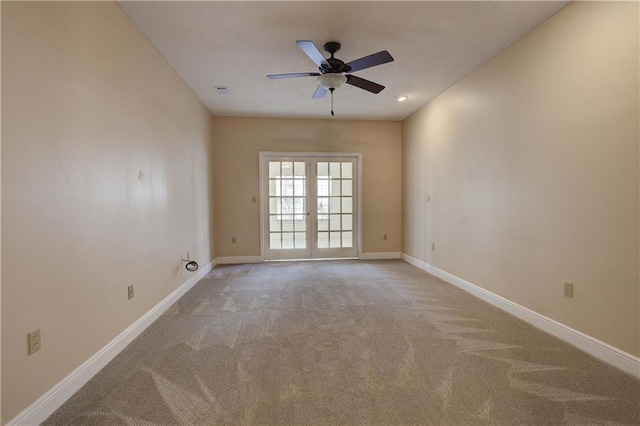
(402, 98)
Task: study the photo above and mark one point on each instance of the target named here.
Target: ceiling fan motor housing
(335, 64)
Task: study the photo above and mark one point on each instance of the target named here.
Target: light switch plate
(568, 289)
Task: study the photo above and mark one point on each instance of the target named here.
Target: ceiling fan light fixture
(332, 80)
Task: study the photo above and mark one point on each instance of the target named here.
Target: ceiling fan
(333, 73)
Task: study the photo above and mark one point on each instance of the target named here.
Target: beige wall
(87, 103)
(238, 142)
(0, 222)
(531, 162)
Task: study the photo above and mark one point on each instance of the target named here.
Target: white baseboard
(38, 412)
(232, 260)
(380, 255)
(594, 347)
(235, 260)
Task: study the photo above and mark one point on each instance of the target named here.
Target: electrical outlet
(433, 246)
(35, 341)
(130, 291)
(254, 199)
(384, 237)
(188, 255)
(233, 240)
(568, 289)
(428, 198)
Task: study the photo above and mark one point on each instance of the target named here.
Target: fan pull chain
(332, 89)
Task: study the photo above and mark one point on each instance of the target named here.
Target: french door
(309, 206)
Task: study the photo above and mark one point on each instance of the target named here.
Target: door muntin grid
(335, 204)
(287, 212)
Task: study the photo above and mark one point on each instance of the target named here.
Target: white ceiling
(237, 43)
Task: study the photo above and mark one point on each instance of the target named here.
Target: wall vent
(223, 90)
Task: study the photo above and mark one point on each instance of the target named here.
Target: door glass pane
(300, 223)
(347, 170)
(275, 241)
(300, 240)
(323, 240)
(274, 169)
(323, 224)
(347, 206)
(274, 223)
(334, 241)
(347, 222)
(287, 223)
(334, 170)
(347, 239)
(334, 205)
(323, 208)
(300, 206)
(299, 188)
(323, 170)
(287, 240)
(273, 205)
(287, 187)
(323, 188)
(298, 169)
(286, 206)
(287, 169)
(347, 187)
(334, 222)
(335, 187)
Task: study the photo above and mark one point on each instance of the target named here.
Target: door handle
(308, 213)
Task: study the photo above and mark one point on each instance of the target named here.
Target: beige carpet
(347, 343)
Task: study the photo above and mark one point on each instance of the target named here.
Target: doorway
(309, 205)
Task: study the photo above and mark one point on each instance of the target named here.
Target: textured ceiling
(238, 43)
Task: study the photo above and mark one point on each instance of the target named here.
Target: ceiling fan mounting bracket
(332, 47)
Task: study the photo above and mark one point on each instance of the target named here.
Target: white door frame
(266, 154)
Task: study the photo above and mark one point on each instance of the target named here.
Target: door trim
(266, 154)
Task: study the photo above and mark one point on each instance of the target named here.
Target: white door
(309, 206)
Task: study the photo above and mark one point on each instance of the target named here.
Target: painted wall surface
(0, 218)
(105, 183)
(531, 165)
(238, 141)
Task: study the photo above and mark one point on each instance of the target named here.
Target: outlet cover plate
(35, 341)
(130, 291)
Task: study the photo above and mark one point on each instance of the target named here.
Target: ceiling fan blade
(292, 75)
(320, 92)
(312, 52)
(364, 84)
(370, 61)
